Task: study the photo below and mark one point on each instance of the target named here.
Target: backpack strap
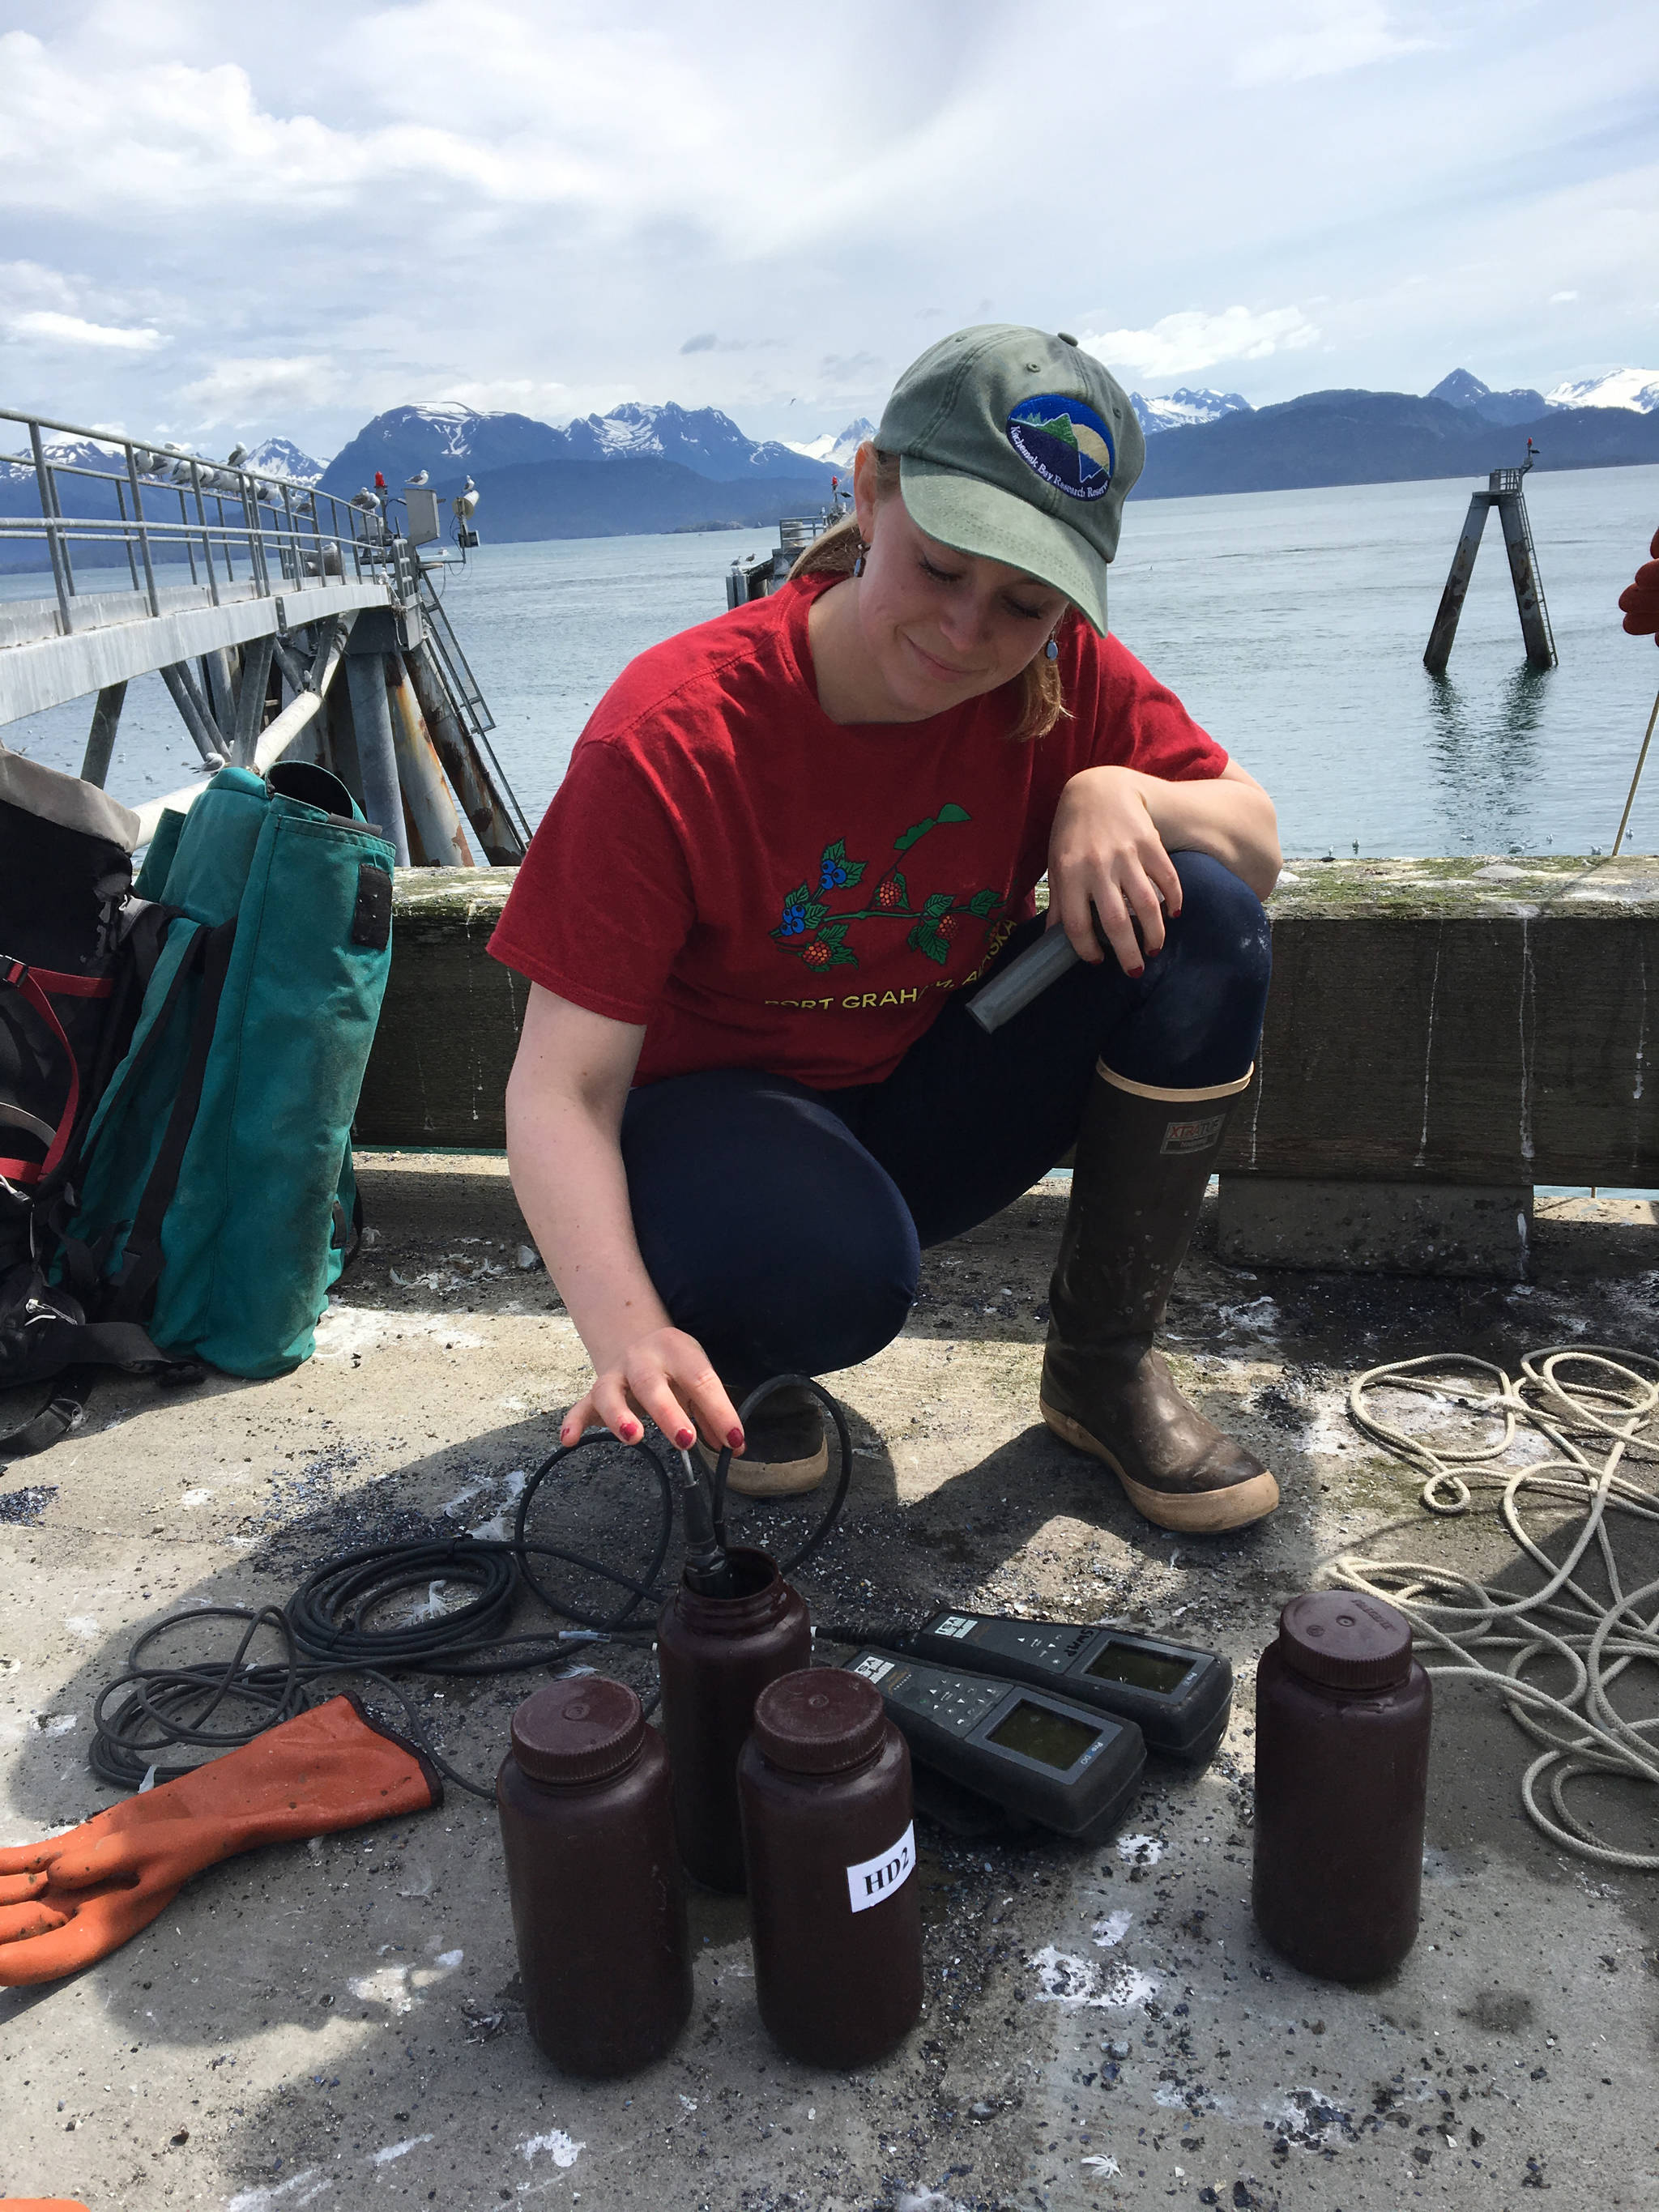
(38, 986)
(141, 1261)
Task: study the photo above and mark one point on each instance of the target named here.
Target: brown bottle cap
(820, 1721)
(1340, 1636)
(578, 1730)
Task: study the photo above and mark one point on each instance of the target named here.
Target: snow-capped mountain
(1179, 410)
(1462, 389)
(700, 438)
(1634, 388)
(450, 440)
(280, 457)
(67, 452)
(837, 451)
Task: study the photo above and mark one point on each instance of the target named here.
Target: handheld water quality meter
(1176, 1696)
(1036, 1754)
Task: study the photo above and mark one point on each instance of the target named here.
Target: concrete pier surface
(340, 2024)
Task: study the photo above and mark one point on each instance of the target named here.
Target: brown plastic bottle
(598, 1903)
(1342, 1714)
(715, 1655)
(835, 1906)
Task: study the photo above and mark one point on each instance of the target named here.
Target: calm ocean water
(1293, 623)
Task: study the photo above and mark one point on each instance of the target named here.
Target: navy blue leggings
(783, 1226)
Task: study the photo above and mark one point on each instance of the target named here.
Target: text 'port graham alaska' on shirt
(761, 887)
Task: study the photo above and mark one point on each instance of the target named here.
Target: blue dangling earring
(1051, 650)
(857, 565)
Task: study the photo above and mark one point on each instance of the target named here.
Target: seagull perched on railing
(415, 482)
(236, 456)
(367, 501)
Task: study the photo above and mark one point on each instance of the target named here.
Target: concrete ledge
(1449, 1023)
(1393, 1228)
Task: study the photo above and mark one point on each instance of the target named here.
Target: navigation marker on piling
(1503, 491)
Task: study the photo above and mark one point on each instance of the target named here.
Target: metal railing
(284, 534)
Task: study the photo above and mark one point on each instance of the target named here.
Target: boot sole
(790, 1478)
(1195, 1513)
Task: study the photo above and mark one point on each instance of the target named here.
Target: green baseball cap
(1019, 446)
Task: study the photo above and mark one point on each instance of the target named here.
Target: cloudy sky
(223, 222)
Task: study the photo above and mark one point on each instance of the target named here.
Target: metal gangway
(249, 593)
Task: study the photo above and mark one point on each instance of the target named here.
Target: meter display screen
(1038, 1732)
(1143, 1671)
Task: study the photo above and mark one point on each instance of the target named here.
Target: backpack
(204, 1207)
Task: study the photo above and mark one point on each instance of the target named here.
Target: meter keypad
(954, 1701)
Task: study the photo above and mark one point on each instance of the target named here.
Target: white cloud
(1179, 345)
(47, 327)
(1561, 299)
(1335, 37)
(252, 386)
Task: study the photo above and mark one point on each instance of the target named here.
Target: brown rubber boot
(1143, 1160)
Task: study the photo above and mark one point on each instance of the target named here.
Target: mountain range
(642, 469)
(442, 439)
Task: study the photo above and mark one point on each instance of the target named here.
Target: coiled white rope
(1596, 1411)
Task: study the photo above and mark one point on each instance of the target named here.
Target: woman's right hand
(665, 1376)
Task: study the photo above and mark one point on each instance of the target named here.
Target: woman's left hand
(1106, 858)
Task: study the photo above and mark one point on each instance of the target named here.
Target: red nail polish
(686, 1438)
(734, 1438)
(1135, 974)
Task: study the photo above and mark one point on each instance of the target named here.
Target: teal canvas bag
(216, 1200)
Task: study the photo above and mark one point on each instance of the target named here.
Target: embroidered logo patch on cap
(1065, 443)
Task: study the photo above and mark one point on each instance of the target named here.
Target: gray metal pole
(193, 712)
(100, 739)
(377, 760)
(1529, 590)
(1438, 651)
(251, 699)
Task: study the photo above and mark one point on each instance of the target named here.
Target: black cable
(328, 1627)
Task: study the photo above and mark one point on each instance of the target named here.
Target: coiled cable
(1596, 1411)
(336, 1624)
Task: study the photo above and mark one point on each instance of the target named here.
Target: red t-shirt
(761, 887)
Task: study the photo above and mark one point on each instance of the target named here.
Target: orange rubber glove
(78, 1897)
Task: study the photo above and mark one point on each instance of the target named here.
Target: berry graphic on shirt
(814, 935)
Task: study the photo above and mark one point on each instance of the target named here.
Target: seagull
(366, 500)
(416, 480)
(236, 456)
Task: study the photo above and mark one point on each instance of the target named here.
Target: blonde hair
(1041, 698)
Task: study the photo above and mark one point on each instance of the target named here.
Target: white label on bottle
(868, 1883)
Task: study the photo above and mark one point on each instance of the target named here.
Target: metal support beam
(250, 698)
(194, 713)
(100, 739)
(292, 668)
(371, 711)
(295, 719)
(221, 686)
(1439, 652)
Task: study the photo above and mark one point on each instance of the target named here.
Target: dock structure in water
(1505, 491)
(248, 593)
